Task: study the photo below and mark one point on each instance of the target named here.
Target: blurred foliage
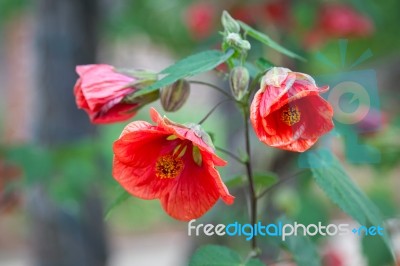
(66, 172)
(9, 8)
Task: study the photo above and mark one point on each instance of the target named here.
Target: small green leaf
(330, 176)
(236, 181)
(261, 180)
(122, 196)
(261, 37)
(301, 247)
(188, 67)
(198, 159)
(213, 255)
(264, 179)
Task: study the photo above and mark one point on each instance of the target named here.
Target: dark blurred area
(55, 167)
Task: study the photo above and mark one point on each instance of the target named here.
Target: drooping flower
(170, 162)
(101, 91)
(288, 113)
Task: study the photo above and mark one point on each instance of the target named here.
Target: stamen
(168, 166)
(291, 115)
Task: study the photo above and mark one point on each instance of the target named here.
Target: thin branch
(281, 181)
(249, 170)
(212, 110)
(230, 154)
(214, 87)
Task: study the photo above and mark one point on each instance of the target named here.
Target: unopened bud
(235, 40)
(142, 99)
(174, 96)
(230, 24)
(239, 82)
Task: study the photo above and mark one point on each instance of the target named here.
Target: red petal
(79, 97)
(317, 114)
(184, 132)
(119, 112)
(141, 181)
(140, 147)
(196, 191)
(300, 145)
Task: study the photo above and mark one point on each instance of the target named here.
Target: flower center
(291, 115)
(168, 166)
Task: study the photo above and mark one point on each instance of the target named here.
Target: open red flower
(170, 162)
(288, 113)
(100, 91)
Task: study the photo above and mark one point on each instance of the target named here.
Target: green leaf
(236, 181)
(264, 179)
(261, 180)
(122, 196)
(301, 247)
(213, 255)
(188, 67)
(331, 177)
(261, 37)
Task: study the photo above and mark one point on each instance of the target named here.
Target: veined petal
(196, 191)
(183, 132)
(141, 181)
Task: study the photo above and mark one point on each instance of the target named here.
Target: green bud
(174, 96)
(143, 78)
(234, 39)
(141, 99)
(239, 82)
(230, 24)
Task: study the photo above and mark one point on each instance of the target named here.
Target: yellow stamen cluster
(168, 166)
(291, 115)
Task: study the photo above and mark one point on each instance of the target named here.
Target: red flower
(288, 113)
(278, 12)
(338, 21)
(343, 21)
(246, 13)
(200, 20)
(100, 91)
(170, 162)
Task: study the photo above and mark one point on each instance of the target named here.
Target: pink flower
(100, 91)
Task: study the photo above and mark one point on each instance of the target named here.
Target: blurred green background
(55, 168)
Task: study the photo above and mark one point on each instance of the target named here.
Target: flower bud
(230, 24)
(234, 39)
(239, 82)
(173, 97)
(143, 78)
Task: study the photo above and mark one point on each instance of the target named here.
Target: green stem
(230, 154)
(214, 87)
(281, 181)
(249, 170)
(212, 110)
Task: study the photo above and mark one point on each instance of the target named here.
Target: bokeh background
(56, 188)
